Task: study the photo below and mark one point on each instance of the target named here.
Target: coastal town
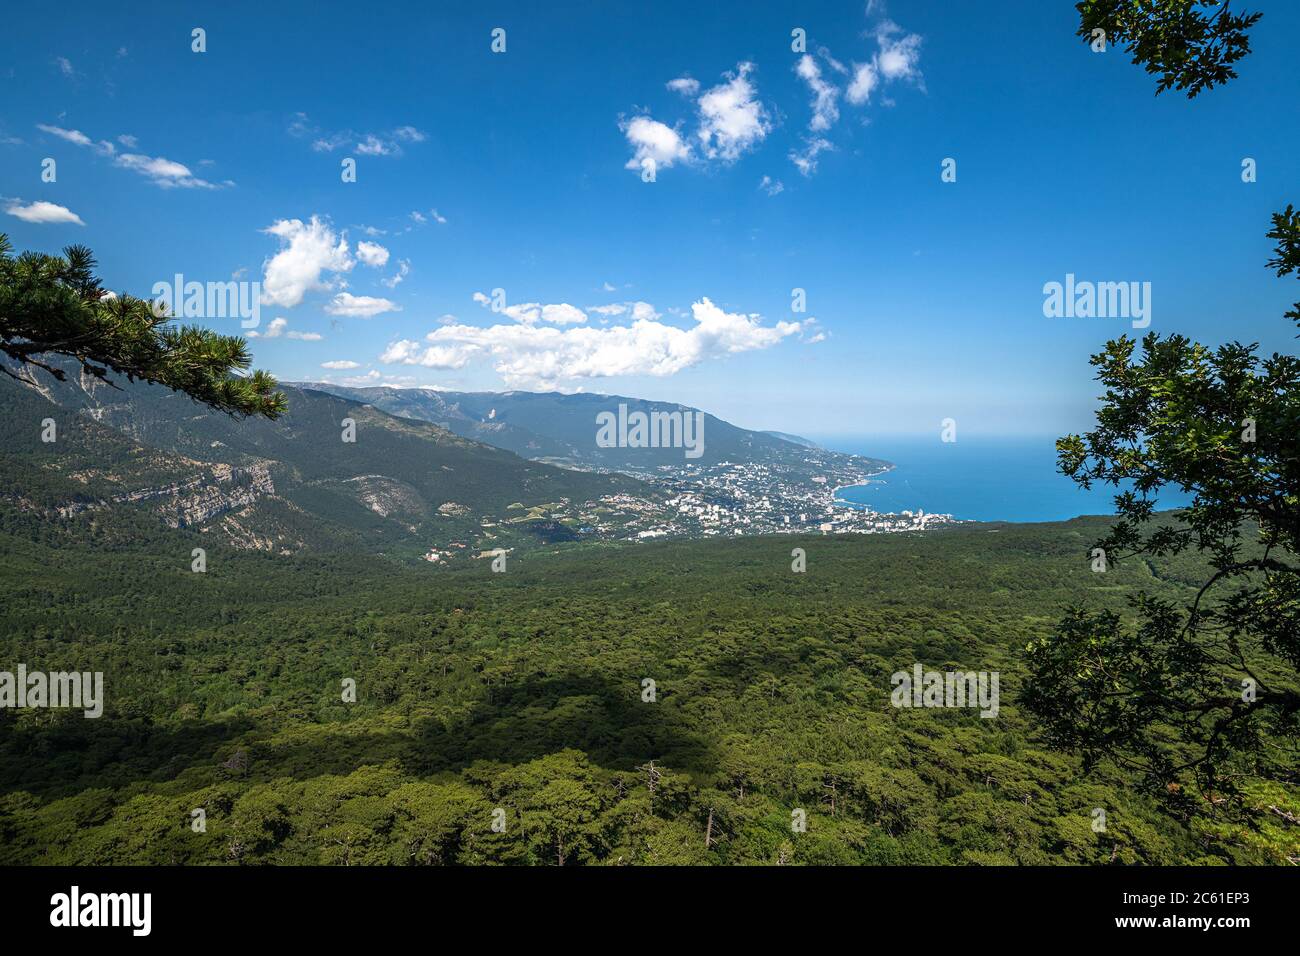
(748, 498)
(727, 499)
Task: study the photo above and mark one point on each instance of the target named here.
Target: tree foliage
(1191, 44)
(1202, 695)
(55, 306)
(1219, 674)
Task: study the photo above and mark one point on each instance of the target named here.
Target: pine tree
(54, 307)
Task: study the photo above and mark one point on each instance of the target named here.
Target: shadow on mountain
(520, 722)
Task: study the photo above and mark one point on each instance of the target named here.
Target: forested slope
(524, 692)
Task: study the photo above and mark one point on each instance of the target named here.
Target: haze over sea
(976, 478)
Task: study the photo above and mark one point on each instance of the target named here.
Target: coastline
(863, 483)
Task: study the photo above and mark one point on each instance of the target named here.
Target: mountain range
(406, 473)
(562, 429)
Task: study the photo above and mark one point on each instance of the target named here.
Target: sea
(976, 479)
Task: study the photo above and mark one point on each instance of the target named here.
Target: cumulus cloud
(898, 57)
(408, 352)
(159, 170)
(542, 356)
(403, 269)
(372, 254)
(900, 53)
(372, 145)
(651, 139)
(773, 187)
(806, 159)
(530, 313)
(42, 212)
(864, 82)
(279, 327)
(732, 120)
(367, 144)
(419, 218)
(359, 306)
(306, 251)
(634, 310)
(275, 328)
(824, 106)
(331, 142)
(78, 138)
(163, 172)
(340, 364)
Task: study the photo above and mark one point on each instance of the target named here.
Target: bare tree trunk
(708, 833)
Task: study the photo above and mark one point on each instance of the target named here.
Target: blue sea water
(977, 479)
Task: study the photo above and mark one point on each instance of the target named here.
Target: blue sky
(926, 296)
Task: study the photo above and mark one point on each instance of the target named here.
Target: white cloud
(372, 254)
(78, 138)
(732, 120)
(372, 145)
(277, 328)
(635, 310)
(42, 212)
(529, 355)
(159, 170)
(898, 58)
(408, 352)
(864, 81)
(360, 306)
(306, 250)
(163, 172)
(440, 220)
(806, 159)
(65, 66)
(530, 313)
(340, 364)
(130, 142)
(684, 85)
(835, 64)
(651, 139)
(899, 53)
(772, 187)
(327, 144)
(825, 109)
(403, 269)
